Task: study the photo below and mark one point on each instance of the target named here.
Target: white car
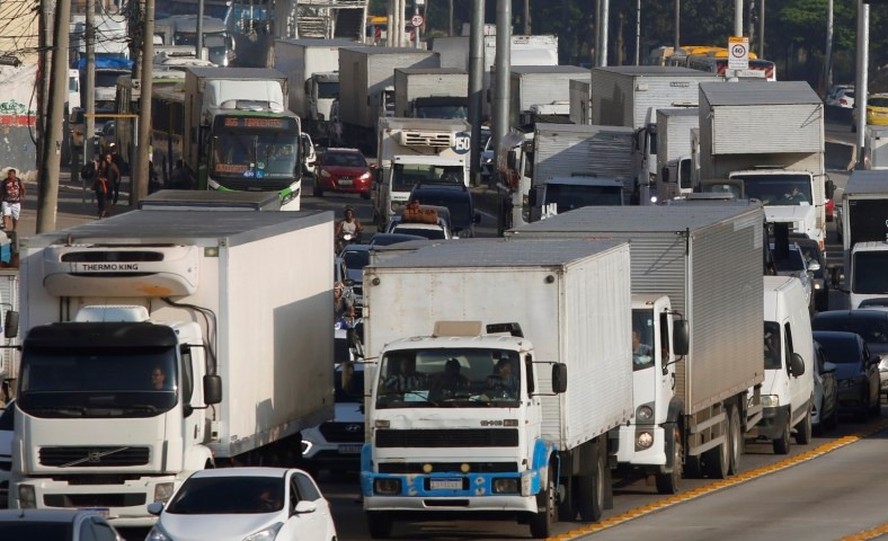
(336, 445)
(795, 265)
(841, 96)
(245, 504)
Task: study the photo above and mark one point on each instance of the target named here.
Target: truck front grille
(464, 437)
(93, 457)
(447, 467)
(343, 432)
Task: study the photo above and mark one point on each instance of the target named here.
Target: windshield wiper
(66, 411)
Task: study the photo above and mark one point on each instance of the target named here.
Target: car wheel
(804, 429)
(782, 444)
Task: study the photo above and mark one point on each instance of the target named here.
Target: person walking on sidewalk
(12, 193)
(112, 174)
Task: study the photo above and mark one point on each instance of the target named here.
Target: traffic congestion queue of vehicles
(697, 307)
(497, 395)
(162, 342)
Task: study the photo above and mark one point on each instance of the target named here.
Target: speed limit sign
(417, 20)
(738, 53)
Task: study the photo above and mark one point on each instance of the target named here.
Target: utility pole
(676, 44)
(638, 32)
(502, 92)
(199, 43)
(140, 177)
(48, 174)
(738, 17)
(450, 20)
(89, 86)
(761, 51)
(476, 84)
(827, 57)
(45, 44)
(602, 37)
(862, 84)
(526, 17)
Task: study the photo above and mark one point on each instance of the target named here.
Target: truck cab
(561, 194)
(867, 278)
(321, 90)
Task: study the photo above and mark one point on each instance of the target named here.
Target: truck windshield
(571, 196)
(772, 346)
(868, 273)
(109, 382)
(246, 156)
(406, 176)
(778, 189)
(442, 111)
(449, 378)
(866, 220)
(642, 339)
(328, 91)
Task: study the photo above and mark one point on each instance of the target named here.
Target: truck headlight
(387, 485)
(643, 440)
(27, 497)
(505, 486)
(163, 492)
(770, 401)
(644, 413)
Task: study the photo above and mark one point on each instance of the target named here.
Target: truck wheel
(782, 444)
(735, 440)
(670, 483)
(592, 492)
(716, 462)
(543, 522)
(379, 524)
(804, 429)
(567, 504)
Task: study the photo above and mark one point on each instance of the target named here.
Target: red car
(343, 170)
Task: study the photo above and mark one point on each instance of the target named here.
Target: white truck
(864, 233)
(368, 92)
(540, 91)
(769, 138)
(580, 101)
(414, 150)
(631, 95)
(311, 67)
(483, 424)
(572, 166)
(696, 277)
(239, 135)
(875, 147)
(159, 343)
(674, 127)
(431, 93)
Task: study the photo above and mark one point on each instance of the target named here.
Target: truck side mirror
(11, 324)
(212, 389)
(559, 378)
(681, 337)
(830, 189)
(796, 365)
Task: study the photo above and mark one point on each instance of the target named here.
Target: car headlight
(268, 534)
(27, 497)
(163, 492)
(503, 486)
(156, 534)
(387, 485)
(770, 401)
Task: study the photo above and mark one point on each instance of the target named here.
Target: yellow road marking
(743, 477)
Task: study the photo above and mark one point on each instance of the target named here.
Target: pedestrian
(90, 170)
(153, 180)
(12, 193)
(102, 188)
(112, 175)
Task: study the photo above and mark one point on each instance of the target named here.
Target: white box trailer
(707, 259)
(540, 85)
(553, 290)
(674, 127)
(218, 301)
(431, 92)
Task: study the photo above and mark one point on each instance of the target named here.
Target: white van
(788, 390)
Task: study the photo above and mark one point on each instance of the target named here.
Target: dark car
(872, 325)
(56, 524)
(387, 239)
(343, 170)
(857, 372)
(825, 413)
(458, 200)
(820, 284)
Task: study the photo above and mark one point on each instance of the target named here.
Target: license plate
(445, 484)
(350, 449)
(346, 181)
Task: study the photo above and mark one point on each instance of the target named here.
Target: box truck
(864, 234)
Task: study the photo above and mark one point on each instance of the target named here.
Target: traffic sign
(738, 53)
(417, 20)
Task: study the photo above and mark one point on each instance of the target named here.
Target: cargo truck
(158, 343)
(239, 135)
(311, 67)
(864, 233)
(365, 94)
(580, 101)
(699, 272)
(769, 137)
(631, 95)
(541, 86)
(499, 394)
(414, 150)
(431, 93)
(674, 127)
(875, 147)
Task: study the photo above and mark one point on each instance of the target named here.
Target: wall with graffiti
(18, 117)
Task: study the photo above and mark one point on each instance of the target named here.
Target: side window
(307, 489)
(664, 337)
(103, 531)
(294, 493)
(187, 375)
(528, 369)
(787, 331)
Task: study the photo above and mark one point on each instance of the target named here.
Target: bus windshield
(249, 156)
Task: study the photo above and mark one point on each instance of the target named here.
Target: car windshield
(406, 176)
(237, 495)
(436, 233)
(777, 189)
(344, 159)
(458, 203)
(873, 330)
(877, 102)
(17, 529)
(839, 350)
(772, 346)
(453, 377)
(356, 259)
(868, 274)
(348, 384)
(570, 196)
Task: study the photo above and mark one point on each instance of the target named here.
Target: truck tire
(804, 429)
(379, 525)
(542, 524)
(593, 491)
(782, 444)
(735, 440)
(717, 461)
(670, 483)
(567, 504)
